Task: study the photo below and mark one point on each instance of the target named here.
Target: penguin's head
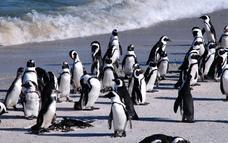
(119, 82)
(206, 18)
(152, 64)
(179, 140)
(164, 39)
(225, 29)
(20, 71)
(73, 54)
(31, 63)
(65, 65)
(95, 46)
(196, 31)
(138, 72)
(131, 47)
(114, 32)
(136, 66)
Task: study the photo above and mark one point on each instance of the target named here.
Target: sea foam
(98, 17)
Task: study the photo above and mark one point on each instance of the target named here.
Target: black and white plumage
(163, 65)
(118, 114)
(76, 70)
(47, 112)
(64, 81)
(161, 138)
(97, 63)
(157, 48)
(108, 74)
(151, 76)
(89, 94)
(224, 82)
(137, 87)
(14, 91)
(209, 28)
(125, 97)
(128, 61)
(223, 41)
(2, 108)
(184, 100)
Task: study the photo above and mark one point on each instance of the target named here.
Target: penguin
(31, 100)
(97, 63)
(89, 94)
(157, 48)
(224, 82)
(193, 67)
(122, 91)
(151, 76)
(118, 114)
(223, 40)
(108, 74)
(185, 101)
(198, 38)
(211, 49)
(161, 138)
(30, 73)
(64, 80)
(2, 109)
(47, 112)
(77, 70)
(137, 87)
(114, 50)
(209, 28)
(163, 65)
(14, 91)
(128, 61)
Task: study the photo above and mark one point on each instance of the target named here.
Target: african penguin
(108, 74)
(76, 71)
(211, 34)
(64, 80)
(47, 112)
(97, 63)
(224, 82)
(161, 138)
(151, 76)
(163, 65)
(118, 114)
(128, 61)
(14, 91)
(122, 91)
(193, 67)
(223, 41)
(90, 92)
(184, 100)
(137, 87)
(157, 48)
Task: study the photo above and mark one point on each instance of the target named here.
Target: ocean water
(23, 21)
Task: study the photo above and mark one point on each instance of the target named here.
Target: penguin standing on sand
(128, 61)
(137, 87)
(89, 94)
(163, 65)
(97, 63)
(14, 91)
(118, 114)
(47, 112)
(156, 50)
(209, 28)
(223, 41)
(108, 74)
(64, 82)
(185, 101)
(76, 71)
(224, 82)
(30, 91)
(151, 76)
(121, 89)
(114, 50)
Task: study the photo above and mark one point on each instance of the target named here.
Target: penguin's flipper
(110, 121)
(176, 104)
(221, 85)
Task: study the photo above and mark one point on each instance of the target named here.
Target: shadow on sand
(194, 98)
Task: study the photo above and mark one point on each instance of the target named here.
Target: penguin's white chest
(64, 85)
(49, 115)
(108, 78)
(163, 67)
(77, 71)
(13, 96)
(30, 76)
(32, 104)
(128, 67)
(150, 84)
(119, 117)
(194, 74)
(94, 92)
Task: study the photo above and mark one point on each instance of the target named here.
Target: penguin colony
(39, 91)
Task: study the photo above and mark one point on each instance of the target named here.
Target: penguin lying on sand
(161, 138)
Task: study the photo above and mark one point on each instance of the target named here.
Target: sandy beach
(211, 116)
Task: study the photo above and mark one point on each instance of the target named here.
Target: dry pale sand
(211, 116)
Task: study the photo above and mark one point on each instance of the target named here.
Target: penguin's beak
(169, 40)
